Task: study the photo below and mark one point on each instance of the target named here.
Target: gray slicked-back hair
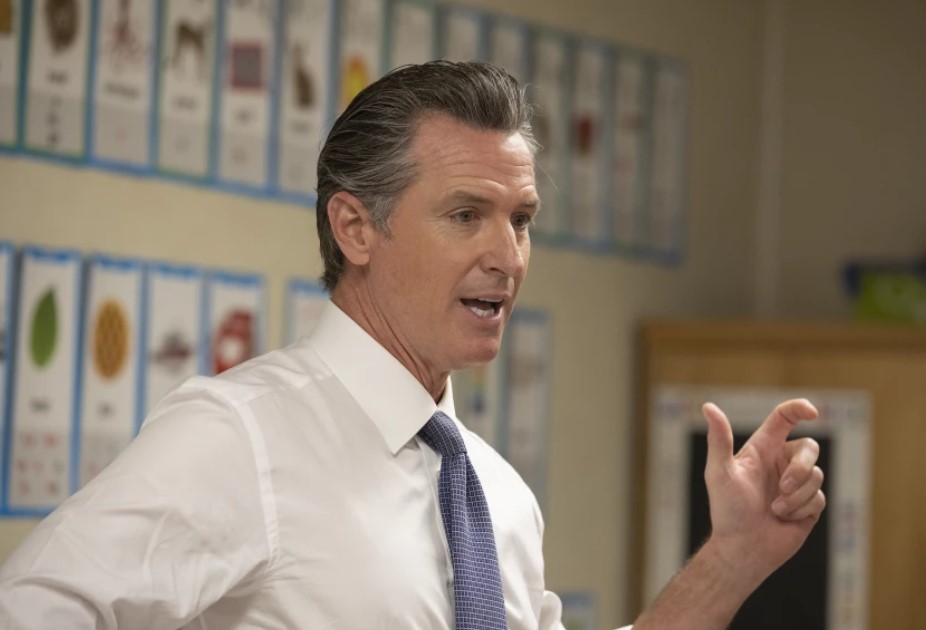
(367, 150)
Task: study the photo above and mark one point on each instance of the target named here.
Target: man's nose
(507, 250)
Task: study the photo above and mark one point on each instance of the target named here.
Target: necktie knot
(441, 434)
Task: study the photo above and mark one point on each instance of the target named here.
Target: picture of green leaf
(44, 335)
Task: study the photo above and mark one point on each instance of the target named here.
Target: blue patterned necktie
(477, 582)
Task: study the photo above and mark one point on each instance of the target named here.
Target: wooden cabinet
(887, 361)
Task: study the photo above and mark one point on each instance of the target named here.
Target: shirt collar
(394, 399)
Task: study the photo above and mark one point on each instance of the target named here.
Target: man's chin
(480, 356)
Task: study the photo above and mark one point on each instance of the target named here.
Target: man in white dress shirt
(294, 490)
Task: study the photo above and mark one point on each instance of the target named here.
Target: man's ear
(351, 226)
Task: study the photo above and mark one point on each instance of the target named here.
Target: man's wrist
(731, 565)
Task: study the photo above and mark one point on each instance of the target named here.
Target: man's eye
(521, 221)
(464, 216)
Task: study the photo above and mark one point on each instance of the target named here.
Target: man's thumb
(719, 437)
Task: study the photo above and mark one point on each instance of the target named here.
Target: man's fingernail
(788, 485)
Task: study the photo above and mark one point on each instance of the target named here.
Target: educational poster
(248, 67)
(462, 33)
(579, 611)
(843, 430)
(528, 374)
(411, 32)
(587, 145)
(361, 51)
(305, 301)
(11, 24)
(548, 94)
(110, 365)
(667, 174)
(631, 127)
(235, 312)
(187, 66)
(174, 333)
(45, 393)
(124, 76)
(306, 92)
(57, 77)
(508, 46)
(478, 397)
(6, 331)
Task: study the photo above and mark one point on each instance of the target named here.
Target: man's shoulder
(275, 373)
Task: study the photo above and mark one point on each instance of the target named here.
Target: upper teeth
(492, 300)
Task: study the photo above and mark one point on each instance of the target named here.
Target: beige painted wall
(596, 302)
(854, 144)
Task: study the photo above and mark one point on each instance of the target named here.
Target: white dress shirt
(290, 492)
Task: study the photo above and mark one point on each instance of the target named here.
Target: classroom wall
(596, 302)
(853, 145)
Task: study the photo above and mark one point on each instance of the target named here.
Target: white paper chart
(631, 125)
(587, 145)
(43, 410)
(411, 30)
(478, 397)
(508, 46)
(174, 331)
(306, 92)
(667, 175)
(57, 77)
(235, 312)
(112, 338)
(361, 52)
(11, 25)
(248, 67)
(6, 332)
(124, 76)
(305, 301)
(462, 33)
(548, 95)
(187, 65)
(528, 377)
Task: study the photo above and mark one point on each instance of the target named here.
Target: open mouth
(483, 307)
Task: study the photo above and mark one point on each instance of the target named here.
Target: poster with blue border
(362, 42)
(528, 365)
(111, 369)
(549, 94)
(174, 328)
(7, 336)
(630, 149)
(580, 611)
(411, 32)
(41, 463)
(11, 29)
(57, 78)
(463, 33)
(479, 398)
(306, 94)
(123, 77)
(234, 311)
(305, 301)
(508, 47)
(248, 79)
(667, 189)
(589, 149)
(185, 91)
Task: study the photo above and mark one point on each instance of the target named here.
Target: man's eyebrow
(463, 196)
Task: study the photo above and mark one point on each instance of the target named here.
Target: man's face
(445, 278)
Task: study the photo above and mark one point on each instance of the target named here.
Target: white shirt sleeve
(174, 524)
(551, 613)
